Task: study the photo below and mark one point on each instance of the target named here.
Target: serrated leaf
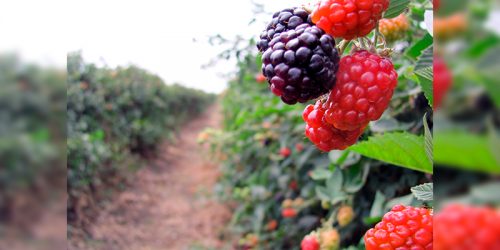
(401, 149)
(426, 59)
(321, 174)
(464, 150)
(416, 49)
(425, 79)
(424, 192)
(334, 183)
(428, 139)
(396, 7)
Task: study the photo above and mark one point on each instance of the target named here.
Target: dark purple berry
(299, 60)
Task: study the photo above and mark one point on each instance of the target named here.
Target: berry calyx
(466, 227)
(300, 61)
(394, 28)
(345, 215)
(285, 152)
(288, 213)
(442, 80)
(310, 242)
(404, 227)
(324, 135)
(364, 88)
(348, 19)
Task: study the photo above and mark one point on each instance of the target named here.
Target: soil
(170, 204)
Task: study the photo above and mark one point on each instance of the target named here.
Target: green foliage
(260, 182)
(400, 149)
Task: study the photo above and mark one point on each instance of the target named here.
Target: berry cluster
(467, 227)
(301, 63)
(404, 227)
(394, 28)
(348, 18)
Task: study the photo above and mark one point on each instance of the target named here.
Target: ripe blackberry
(284, 20)
(325, 136)
(348, 19)
(300, 64)
(394, 28)
(403, 227)
(442, 80)
(467, 227)
(365, 84)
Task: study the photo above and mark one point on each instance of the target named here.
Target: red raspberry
(348, 18)
(285, 152)
(310, 242)
(365, 83)
(325, 136)
(463, 227)
(403, 227)
(442, 80)
(289, 213)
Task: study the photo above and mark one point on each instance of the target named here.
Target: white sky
(155, 35)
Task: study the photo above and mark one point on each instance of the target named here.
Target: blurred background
(136, 73)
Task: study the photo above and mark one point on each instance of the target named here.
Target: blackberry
(300, 64)
(282, 21)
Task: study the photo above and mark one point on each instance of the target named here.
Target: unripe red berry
(403, 227)
(364, 88)
(348, 19)
(288, 213)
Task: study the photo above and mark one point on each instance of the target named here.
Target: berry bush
(319, 175)
(115, 117)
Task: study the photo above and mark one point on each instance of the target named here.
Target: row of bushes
(114, 117)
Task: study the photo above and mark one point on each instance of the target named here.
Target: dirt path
(169, 206)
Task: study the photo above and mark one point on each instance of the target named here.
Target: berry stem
(343, 45)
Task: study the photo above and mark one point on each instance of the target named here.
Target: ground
(170, 204)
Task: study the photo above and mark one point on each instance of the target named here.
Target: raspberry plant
(342, 162)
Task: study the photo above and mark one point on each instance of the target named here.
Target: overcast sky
(155, 35)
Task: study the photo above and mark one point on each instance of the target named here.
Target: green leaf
(426, 59)
(322, 193)
(355, 177)
(461, 149)
(334, 183)
(428, 139)
(401, 149)
(479, 47)
(423, 192)
(416, 50)
(425, 79)
(321, 174)
(396, 7)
